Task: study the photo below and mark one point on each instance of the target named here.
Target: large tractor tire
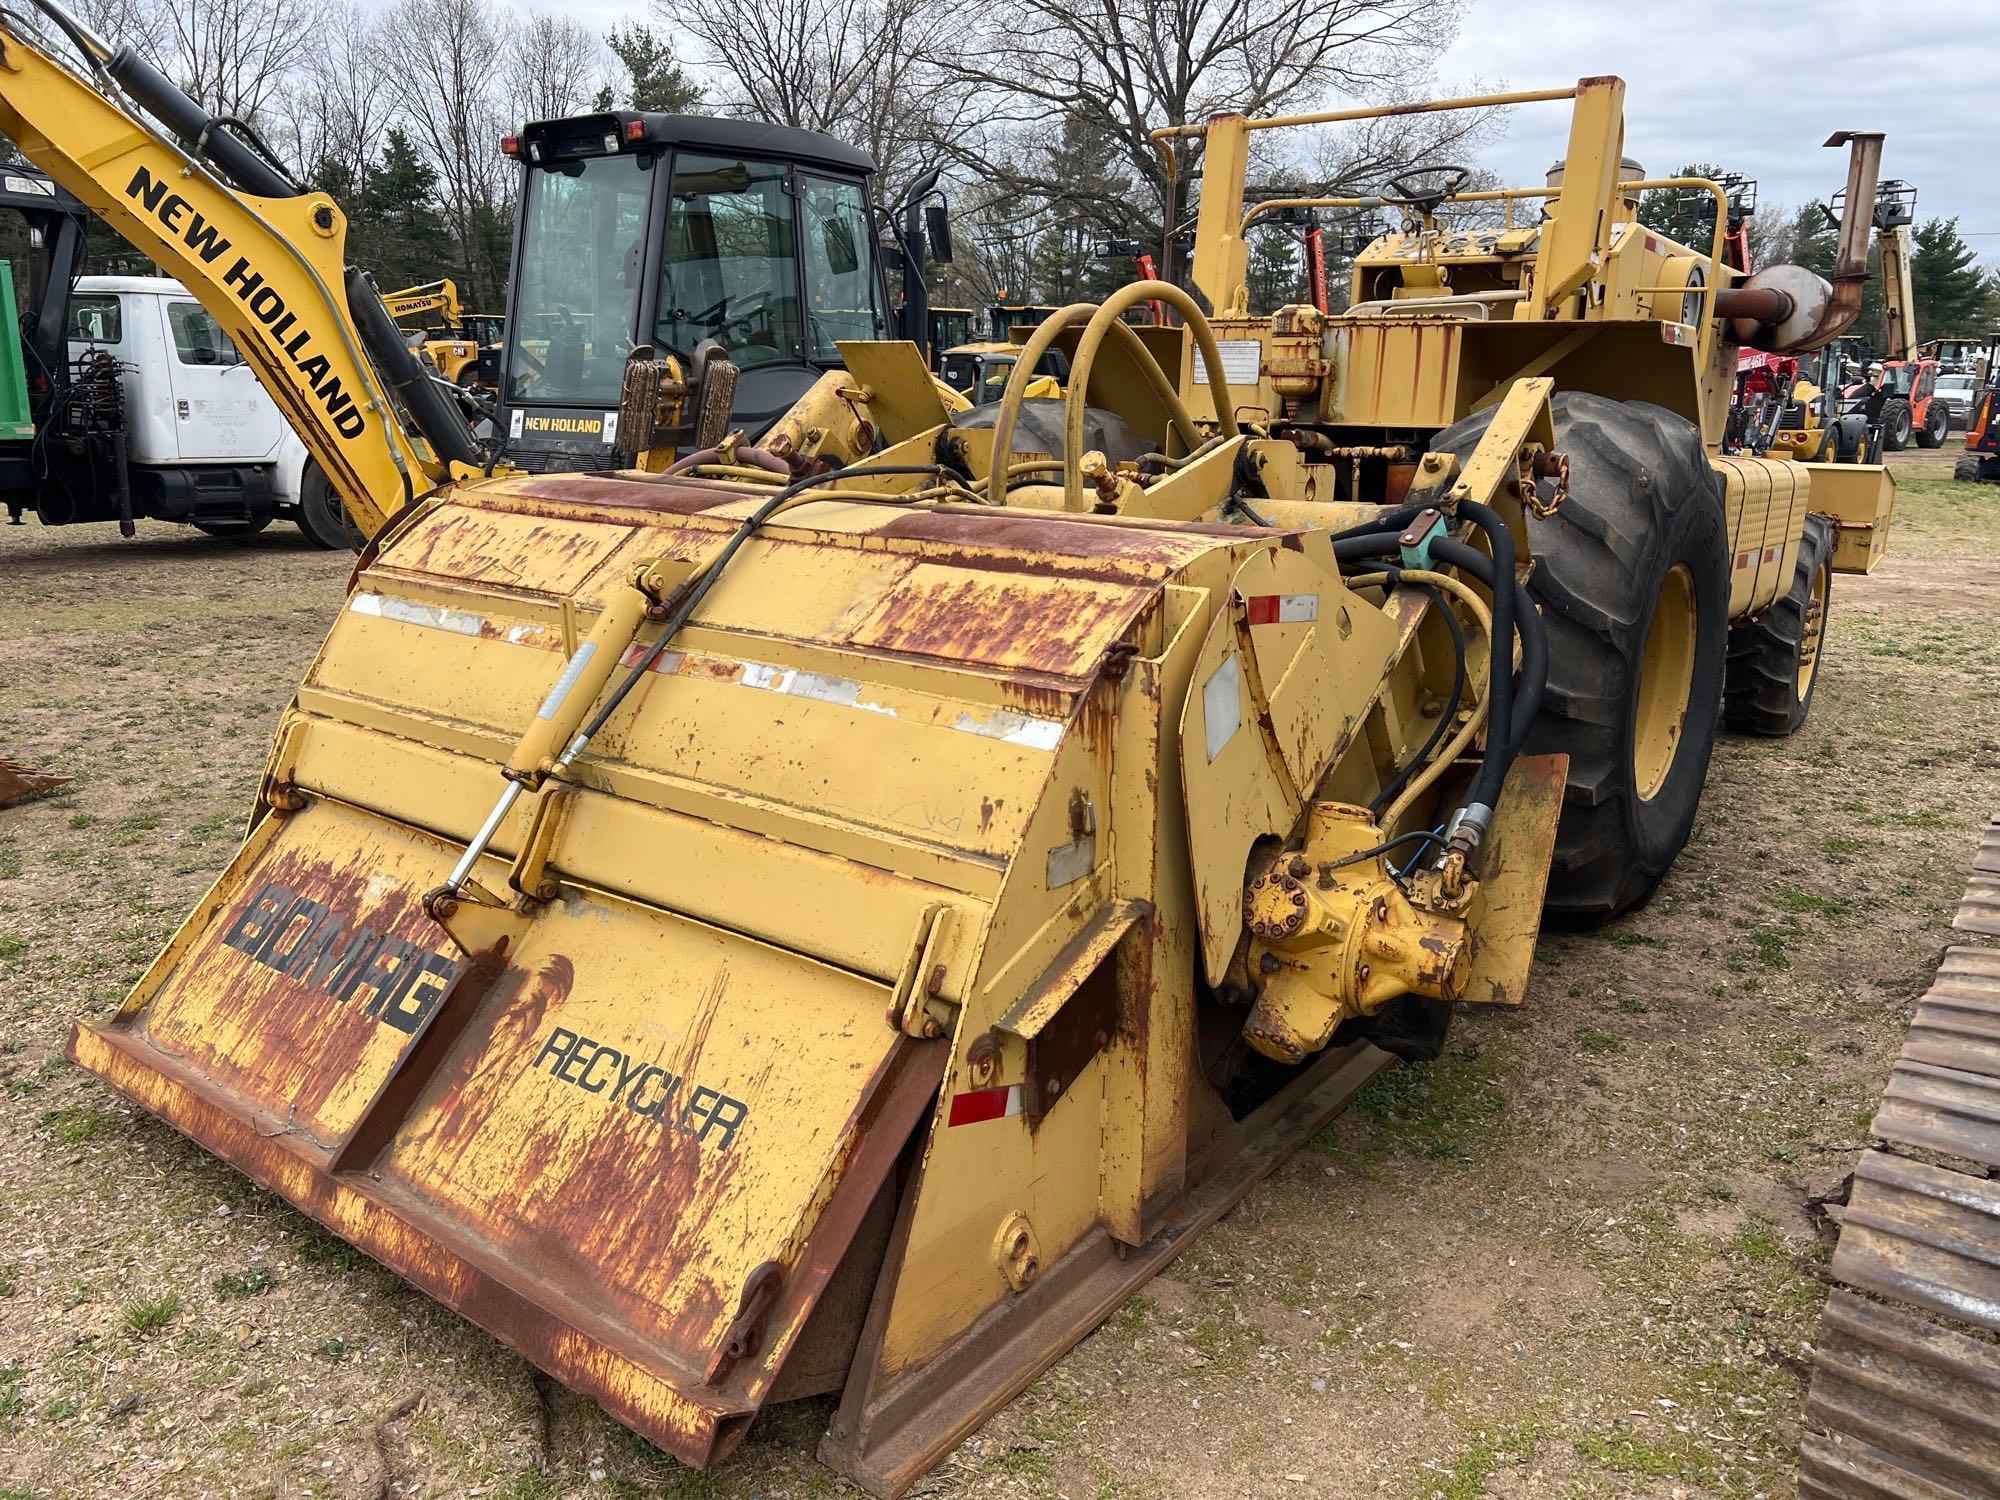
(1632, 576)
(1937, 425)
(1975, 468)
(1896, 425)
(322, 517)
(1774, 660)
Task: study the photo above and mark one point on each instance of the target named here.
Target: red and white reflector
(984, 1104)
(1281, 609)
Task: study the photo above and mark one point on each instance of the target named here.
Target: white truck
(200, 441)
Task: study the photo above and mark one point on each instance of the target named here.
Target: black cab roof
(586, 135)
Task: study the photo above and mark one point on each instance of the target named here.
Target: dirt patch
(1569, 1257)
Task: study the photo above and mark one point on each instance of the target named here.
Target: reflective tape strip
(1005, 724)
(984, 1104)
(408, 612)
(1281, 609)
(568, 679)
(1014, 728)
(1222, 705)
(456, 621)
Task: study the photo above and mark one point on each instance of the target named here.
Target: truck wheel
(1937, 425)
(1895, 426)
(1773, 661)
(322, 517)
(1632, 576)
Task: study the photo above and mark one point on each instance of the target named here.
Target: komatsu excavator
(837, 914)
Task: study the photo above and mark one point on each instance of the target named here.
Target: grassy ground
(1571, 1257)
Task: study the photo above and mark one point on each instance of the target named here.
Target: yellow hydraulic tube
(1476, 607)
(1101, 323)
(1039, 343)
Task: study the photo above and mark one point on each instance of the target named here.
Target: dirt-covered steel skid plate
(1905, 1393)
(636, 1142)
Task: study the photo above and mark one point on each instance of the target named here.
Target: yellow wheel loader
(460, 345)
(836, 914)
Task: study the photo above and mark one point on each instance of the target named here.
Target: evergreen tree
(654, 78)
(1951, 294)
(398, 229)
(1684, 215)
(1276, 274)
(1810, 240)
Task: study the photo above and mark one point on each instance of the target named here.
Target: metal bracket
(911, 1008)
(530, 872)
(1416, 541)
(746, 1331)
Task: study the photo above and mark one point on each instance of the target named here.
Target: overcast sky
(1757, 88)
(1754, 88)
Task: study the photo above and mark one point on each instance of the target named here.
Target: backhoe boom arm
(269, 269)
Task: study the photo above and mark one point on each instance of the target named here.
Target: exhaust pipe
(1790, 310)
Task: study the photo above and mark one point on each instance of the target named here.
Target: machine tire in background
(1966, 469)
(1896, 425)
(322, 517)
(1772, 672)
(1632, 576)
(1937, 425)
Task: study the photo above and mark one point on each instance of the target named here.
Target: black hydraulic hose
(1389, 520)
(217, 140)
(1499, 754)
(1349, 548)
(436, 414)
(1402, 778)
(1532, 676)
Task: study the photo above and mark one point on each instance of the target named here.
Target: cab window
(198, 338)
(96, 320)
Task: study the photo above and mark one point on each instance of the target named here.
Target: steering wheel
(1410, 192)
(757, 312)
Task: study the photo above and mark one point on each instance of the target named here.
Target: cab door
(220, 412)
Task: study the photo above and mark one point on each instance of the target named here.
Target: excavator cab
(687, 235)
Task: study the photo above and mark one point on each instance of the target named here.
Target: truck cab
(166, 421)
(202, 442)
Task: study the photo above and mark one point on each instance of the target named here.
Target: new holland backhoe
(837, 914)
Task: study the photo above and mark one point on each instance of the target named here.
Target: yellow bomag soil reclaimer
(836, 916)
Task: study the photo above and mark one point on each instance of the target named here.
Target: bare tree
(861, 70)
(335, 109)
(231, 56)
(457, 52)
(558, 67)
(1126, 68)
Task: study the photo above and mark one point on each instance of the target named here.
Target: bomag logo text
(179, 220)
(589, 425)
(308, 942)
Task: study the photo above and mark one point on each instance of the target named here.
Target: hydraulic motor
(1333, 936)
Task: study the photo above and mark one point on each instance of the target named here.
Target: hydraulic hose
(1485, 793)
(1528, 679)
(1531, 674)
